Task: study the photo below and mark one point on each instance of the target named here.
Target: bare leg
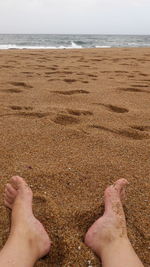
(107, 237)
(28, 240)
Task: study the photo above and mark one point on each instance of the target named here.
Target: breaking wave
(70, 41)
(13, 46)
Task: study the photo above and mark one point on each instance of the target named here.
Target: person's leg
(107, 237)
(28, 240)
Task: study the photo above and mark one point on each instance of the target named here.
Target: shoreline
(78, 49)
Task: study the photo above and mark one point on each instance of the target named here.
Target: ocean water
(61, 41)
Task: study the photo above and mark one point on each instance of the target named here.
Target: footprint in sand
(20, 108)
(140, 85)
(131, 89)
(131, 76)
(92, 75)
(79, 112)
(141, 128)
(22, 84)
(125, 64)
(117, 109)
(70, 80)
(51, 72)
(133, 135)
(80, 73)
(145, 80)
(93, 59)
(143, 74)
(105, 71)
(27, 72)
(67, 72)
(6, 66)
(12, 91)
(71, 92)
(52, 80)
(124, 133)
(53, 68)
(120, 71)
(84, 81)
(32, 114)
(27, 114)
(64, 119)
(113, 108)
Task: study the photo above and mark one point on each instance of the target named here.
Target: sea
(71, 41)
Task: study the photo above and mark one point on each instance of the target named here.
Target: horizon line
(75, 33)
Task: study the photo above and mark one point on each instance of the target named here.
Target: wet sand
(71, 123)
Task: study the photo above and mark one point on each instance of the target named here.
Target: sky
(75, 16)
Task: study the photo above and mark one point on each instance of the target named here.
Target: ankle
(114, 245)
(101, 243)
(29, 239)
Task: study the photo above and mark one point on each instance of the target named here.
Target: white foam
(25, 47)
(12, 46)
(72, 46)
(102, 46)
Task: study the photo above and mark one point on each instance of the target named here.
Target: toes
(16, 190)
(8, 198)
(9, 189)
(123, 195)
(8, 195)
(23, 190)
(19, 184)
(114, 194)
(119, 185)
(108, 198)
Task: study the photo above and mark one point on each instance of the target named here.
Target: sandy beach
(71, 123)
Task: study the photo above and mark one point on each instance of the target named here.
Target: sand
(71, 123)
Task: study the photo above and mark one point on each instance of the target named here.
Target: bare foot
(112, 225)
(18, 197)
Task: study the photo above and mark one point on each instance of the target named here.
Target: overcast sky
(75, 16)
